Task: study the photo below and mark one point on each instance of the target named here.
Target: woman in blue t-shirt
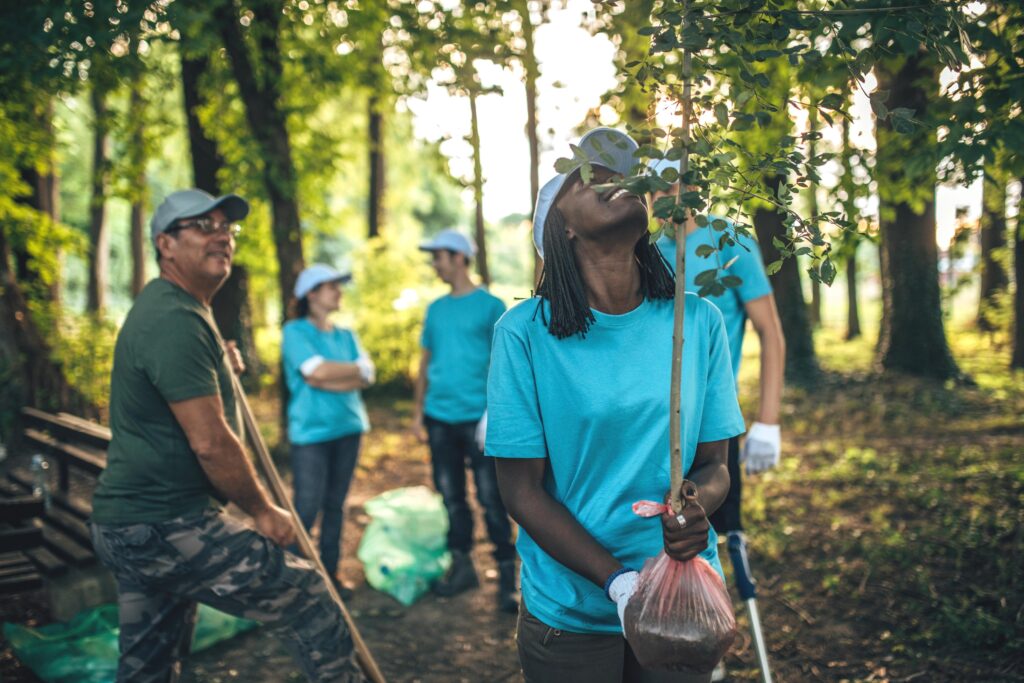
(578, 401)
(325, 368)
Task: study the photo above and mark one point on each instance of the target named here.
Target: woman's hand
(685, 534)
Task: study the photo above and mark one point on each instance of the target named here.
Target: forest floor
(888, 545)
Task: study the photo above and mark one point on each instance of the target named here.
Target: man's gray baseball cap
(192, 203)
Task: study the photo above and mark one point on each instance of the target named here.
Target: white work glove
(481, 432)
(620, 591)
(762, 448)
(367, 370)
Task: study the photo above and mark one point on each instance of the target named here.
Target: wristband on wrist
(614, 575)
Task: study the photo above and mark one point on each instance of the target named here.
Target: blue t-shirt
(457, 333)
(598, 409)
(748, 266)
(315, 415)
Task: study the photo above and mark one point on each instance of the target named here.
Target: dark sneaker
(461, 576)
(508, 596)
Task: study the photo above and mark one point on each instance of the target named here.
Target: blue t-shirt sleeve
(425, 338)
(296, 348)
(514, 425)
(749, 267)
(721, 417)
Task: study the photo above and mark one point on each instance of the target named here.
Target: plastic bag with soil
(680, 618)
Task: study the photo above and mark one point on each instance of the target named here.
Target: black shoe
(508, 596)
(461, 576)
(345, 591)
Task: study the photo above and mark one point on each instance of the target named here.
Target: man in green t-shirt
(176, 454)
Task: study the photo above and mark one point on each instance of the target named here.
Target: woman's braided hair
(562, 284)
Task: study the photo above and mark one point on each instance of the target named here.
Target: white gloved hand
(481, 432)
(367, 370)
(620, 591)
(762, 448)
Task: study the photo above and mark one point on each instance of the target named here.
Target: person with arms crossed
(325, 368)
(176, 456)
(450, 401)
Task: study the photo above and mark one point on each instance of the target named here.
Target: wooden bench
(53, 542)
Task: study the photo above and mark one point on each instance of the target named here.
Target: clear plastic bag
(680, 618)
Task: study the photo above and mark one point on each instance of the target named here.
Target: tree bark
(376, 140)
(914, 341)
(99, 234)
(206, 158)
(137, 221)
(801, 362)
(532, 70)
(262, 100)
(852, 311)
(40, 380)
(1017, 359)
(994, 278)
(478, 189)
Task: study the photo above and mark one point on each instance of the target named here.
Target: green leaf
(701, 220)
(705, 250)
(650, 152)
(705, 278)
(663, 206)
(732, 281)
(670, 174)
(719, 224)
(827, 271)
(722, 114)
(563, 165)
(878, 106)
(831, 101)
(586, 173)
(773, 267)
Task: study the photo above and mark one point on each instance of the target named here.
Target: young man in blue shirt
(450, 400)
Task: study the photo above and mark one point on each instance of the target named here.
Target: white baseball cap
(606, 147)
(451, 240)
(314, 276)
(191, 203)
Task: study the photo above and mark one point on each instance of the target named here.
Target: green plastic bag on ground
(405, 547)
(84, 650)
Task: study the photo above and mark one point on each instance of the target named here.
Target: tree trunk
(852, 312)
(206, 158)
(478, 189)
(262, 100)
(39, 380)
(814, 311)
(99, 235)
(532, 70)
(1017, 360)
(137, 222)
(376, 198)
(801, 362)
(232, 310)
(914, 340)
(993, 238)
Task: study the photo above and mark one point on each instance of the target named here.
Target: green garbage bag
(405, 545)
(84, 650)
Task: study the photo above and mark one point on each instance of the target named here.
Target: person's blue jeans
(452, 449)
(322, 474)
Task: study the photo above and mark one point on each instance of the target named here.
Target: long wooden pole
(281, 497)
(679, 316)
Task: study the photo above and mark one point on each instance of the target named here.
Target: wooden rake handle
(281, 497)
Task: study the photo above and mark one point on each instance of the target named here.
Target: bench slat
(68, 427)
(89, 460)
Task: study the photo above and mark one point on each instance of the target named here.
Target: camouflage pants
(163, 569)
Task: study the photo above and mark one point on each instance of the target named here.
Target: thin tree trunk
(914, 340)
(376, 140)
(532, 70)
(801, 362)
(262, 100)
(994, 278)
(99, 235)
(478, 190)
(1017, 359)
(206, 158)
(814, 312)
(137, 222)
(852, 311)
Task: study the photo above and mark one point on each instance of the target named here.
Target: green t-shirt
(168, 350)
